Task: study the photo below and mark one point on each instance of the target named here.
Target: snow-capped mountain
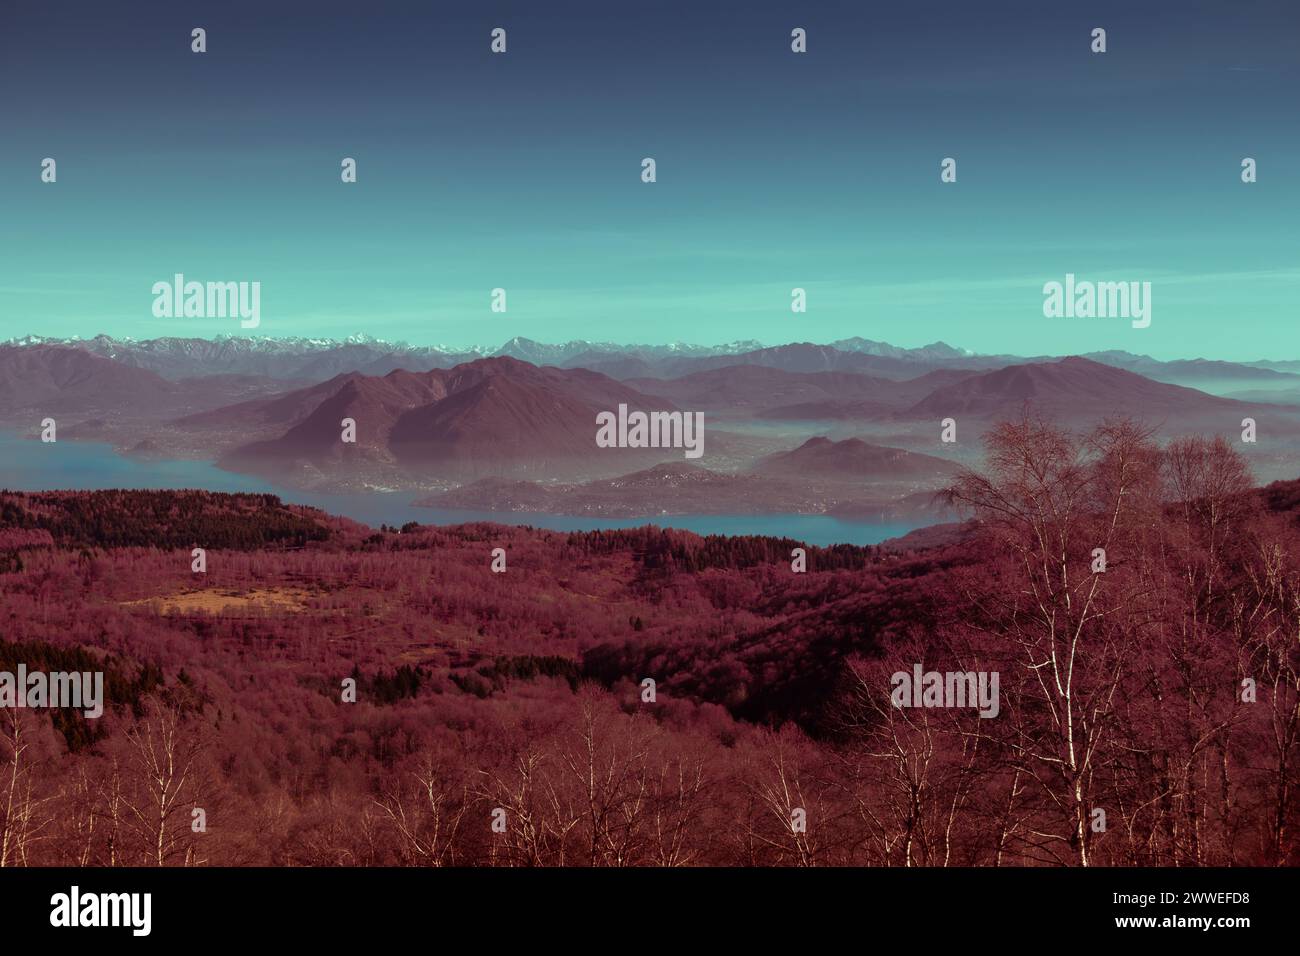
(318, 359)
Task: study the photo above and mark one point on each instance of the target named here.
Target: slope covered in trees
(130, 518)
(1160, 691)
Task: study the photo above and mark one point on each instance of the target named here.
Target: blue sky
(775, 170)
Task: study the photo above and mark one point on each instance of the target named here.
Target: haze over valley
(853, 429)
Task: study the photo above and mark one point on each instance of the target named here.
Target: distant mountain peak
(935, 350)
(853, 459)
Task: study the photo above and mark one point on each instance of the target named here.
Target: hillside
(854, 460)
(764, 670)
(1070, 388)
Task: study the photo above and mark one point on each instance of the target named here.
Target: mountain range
(489, 416)
(842, 426)
(315, 360)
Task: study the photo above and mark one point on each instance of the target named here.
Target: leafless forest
(500, 717)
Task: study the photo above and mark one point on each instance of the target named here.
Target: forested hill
(164, 519)
(491, 663)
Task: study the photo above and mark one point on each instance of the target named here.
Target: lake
(27, 465)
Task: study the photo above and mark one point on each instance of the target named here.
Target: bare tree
(1056, 505)
(164, 747)
(25, 818)
(426, 807)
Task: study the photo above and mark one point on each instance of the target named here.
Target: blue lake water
(27, 465)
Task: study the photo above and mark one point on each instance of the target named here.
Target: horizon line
(362, 338)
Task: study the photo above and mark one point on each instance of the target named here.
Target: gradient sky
(775, 170)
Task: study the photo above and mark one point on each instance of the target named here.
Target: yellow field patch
(223, 600)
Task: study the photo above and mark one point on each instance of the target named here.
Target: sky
(775, 170)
